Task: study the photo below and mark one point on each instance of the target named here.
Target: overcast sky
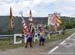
(38, 7)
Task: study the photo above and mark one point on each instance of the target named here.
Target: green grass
(8, 43)
(61, 36)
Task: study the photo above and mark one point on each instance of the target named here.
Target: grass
(8, 43)
(61, 36)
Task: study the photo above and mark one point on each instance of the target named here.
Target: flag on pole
(55, 27)
(53, 21)
(30, 17)
(11, 20)
(56, 21)
(24, 26)
(31, 25)
(59, 21)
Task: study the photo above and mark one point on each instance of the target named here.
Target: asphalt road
(67, 47)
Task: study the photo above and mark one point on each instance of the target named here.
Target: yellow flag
(59, 20)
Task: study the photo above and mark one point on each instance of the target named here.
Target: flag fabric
(56, 21)
(11, 20)
(59, 21)
(31, 25)
(53, 21)
(30, 17)
(57, 24)
(24, 26)
(55, 27)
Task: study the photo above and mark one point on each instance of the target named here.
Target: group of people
(33, 34)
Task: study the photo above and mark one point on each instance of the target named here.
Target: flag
(24, 26)
(31, 25)
(55, 27)
(53, 21)
(30, 17)
(56, 19)
(11, 20)
(59, 21)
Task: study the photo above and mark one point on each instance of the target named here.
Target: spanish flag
(58, 20)
(11, 20)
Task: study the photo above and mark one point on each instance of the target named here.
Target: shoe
(31, 46)
(25, 46)
(42, 44)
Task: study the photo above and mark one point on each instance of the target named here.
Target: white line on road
(53, 49)
(60, 44)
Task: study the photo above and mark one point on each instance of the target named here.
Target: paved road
(67, 47)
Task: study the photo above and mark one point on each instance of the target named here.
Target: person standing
(25, 31)
(36, 36)
(42, 39)
(29, 39)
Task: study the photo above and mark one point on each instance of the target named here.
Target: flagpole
(11, 31)
(21, 13)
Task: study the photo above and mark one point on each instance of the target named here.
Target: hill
(5, 23)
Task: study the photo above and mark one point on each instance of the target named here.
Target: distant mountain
(5, 23)
(64, 18)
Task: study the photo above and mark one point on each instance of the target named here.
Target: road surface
(67, 47)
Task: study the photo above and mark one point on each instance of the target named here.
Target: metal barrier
(5, 36)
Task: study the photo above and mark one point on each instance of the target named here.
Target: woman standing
(42, 39)
(29, 39)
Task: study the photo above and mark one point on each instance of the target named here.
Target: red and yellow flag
(11, 20)
(58, 20)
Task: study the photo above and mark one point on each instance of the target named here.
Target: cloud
(70, 0)
(38, 7)
(16, 6)
(64, 7)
